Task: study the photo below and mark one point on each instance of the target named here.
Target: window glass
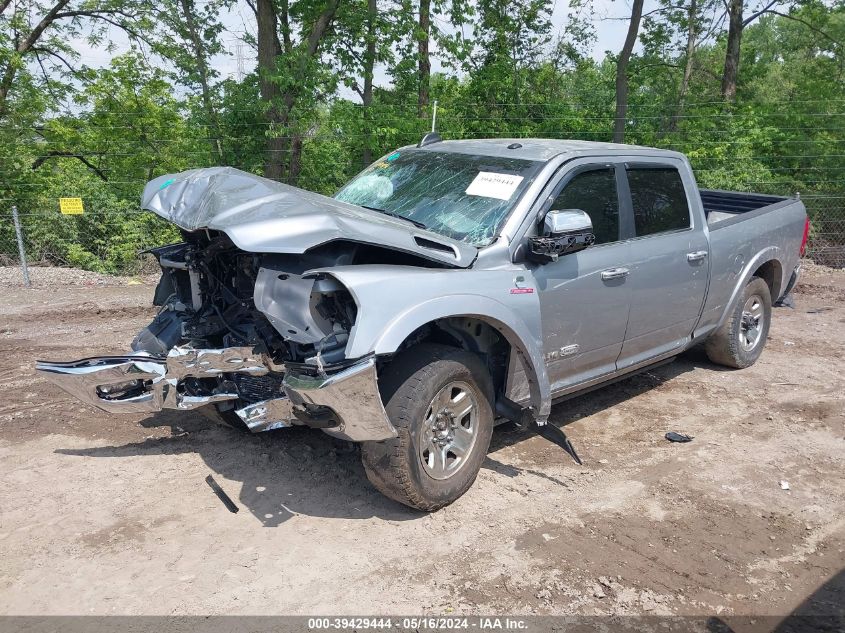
(659, 200)
(462, 196)
(594, 192)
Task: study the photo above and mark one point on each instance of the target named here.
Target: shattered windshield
(461, 196)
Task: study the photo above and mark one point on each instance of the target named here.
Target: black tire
(728, 345)
(408, 388)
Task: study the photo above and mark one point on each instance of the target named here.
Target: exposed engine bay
(213, 295)
(208, 293)
(255, 334)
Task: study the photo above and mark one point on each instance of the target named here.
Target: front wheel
(438, 399)
(741, 339)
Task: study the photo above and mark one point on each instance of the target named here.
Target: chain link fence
(826, 245)
(99, 241)
(113, 242)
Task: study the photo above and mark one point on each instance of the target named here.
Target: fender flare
(763, 257)
(497, 315)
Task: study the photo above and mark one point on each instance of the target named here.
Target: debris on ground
(678, 437)
(116, 502)
(221, 494)
(557, 436)
(784, 485)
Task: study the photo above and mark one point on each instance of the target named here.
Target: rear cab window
(659, 200)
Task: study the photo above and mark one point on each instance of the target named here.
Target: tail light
(805, 237)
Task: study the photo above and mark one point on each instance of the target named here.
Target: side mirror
(564, 231)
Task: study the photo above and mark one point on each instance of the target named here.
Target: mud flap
(524, 419)
(557, 436)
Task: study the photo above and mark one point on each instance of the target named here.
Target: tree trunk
(202, 70)
(682, 93)
(268, 51)
(622, 71)
(731, 70)
(295, 166)
(423, 34)
(369, 63)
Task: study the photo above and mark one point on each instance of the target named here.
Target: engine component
(286, 299)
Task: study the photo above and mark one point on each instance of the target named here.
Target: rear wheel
(438, 399)
(741, 339)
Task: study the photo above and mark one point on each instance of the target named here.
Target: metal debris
(221, 494)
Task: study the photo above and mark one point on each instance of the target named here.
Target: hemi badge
(522, 291)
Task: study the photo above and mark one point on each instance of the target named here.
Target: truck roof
(541, 149)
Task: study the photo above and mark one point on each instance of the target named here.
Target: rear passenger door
(669, 261)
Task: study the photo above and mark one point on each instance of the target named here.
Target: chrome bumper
(352, 397)
(91, 379)
(140, 384)
(145, 384)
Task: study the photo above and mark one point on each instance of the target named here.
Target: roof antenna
(431, 137)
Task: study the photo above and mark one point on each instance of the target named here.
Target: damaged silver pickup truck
(448, 285)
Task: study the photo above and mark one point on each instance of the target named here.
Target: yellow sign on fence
(70, 206)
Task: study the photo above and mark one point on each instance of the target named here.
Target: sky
(239, 21)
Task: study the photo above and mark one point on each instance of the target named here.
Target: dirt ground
(105, 514)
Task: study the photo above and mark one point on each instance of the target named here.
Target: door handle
(614, 273)
(697, 256)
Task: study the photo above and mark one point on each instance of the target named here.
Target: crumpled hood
(264, 216)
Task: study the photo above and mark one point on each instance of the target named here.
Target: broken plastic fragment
(678, 437)
(557, 436)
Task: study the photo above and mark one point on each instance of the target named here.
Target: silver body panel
(264, 216)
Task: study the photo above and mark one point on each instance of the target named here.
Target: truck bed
(720, 206)
(742, 226)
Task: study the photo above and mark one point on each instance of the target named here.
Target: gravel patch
(47, 276)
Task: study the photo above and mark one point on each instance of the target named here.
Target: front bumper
(348, 398)
(351, 397)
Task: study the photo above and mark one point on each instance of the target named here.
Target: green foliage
(505, 74)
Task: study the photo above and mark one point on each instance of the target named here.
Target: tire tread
(722, 347)
(385, 463)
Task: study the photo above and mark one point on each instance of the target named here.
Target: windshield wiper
(395, 215)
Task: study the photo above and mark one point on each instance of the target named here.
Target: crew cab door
(584, 296)
(669, 253)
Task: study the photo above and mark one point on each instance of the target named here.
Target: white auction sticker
(492, 185)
